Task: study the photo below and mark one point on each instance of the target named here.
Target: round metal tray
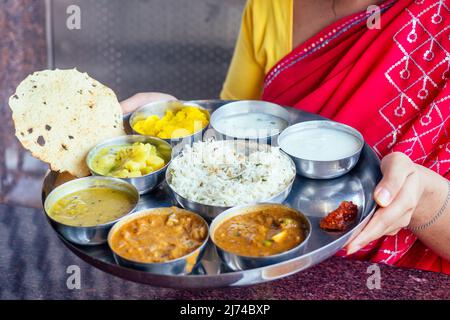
(315, 198)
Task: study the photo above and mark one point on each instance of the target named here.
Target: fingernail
(353, 248)
(383, 197)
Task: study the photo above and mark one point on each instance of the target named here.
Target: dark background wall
(178, 46)
(22, 51)
(182, 47)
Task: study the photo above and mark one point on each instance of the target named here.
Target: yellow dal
(92, 206)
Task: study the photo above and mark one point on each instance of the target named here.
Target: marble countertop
(33, 265)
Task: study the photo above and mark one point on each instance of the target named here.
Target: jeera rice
(218, 173)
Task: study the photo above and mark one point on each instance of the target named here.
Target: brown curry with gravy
(161, 235)
(263, 231)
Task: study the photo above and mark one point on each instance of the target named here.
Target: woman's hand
(398, 194)
(140, 99)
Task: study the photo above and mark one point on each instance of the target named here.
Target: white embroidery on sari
(413, 80)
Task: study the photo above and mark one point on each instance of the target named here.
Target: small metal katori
(238, 262)
(180, 266)
(90, 235)
(159, 108)
(238, 108)
(313, 198)
(144, 183)
(320, 169)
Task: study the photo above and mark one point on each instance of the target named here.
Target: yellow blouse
(265, 37)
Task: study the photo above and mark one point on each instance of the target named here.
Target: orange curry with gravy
(261, 232)
(161, 235)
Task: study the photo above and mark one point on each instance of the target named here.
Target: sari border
(327, 35)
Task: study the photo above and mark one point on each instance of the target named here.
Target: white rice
(215, 173)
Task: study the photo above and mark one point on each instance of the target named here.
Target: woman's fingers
(393, 233)
(396, 167)
(397, 193)
(140, 99)
(391, 219)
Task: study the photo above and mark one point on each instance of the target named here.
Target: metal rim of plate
(315, 198)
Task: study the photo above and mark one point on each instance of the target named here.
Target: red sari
(391, 85)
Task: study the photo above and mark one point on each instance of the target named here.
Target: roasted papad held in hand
(59, 115)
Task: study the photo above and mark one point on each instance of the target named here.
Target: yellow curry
(128, 161)
(162, 235)
(262, 232)
(174, 124)
(92, 206)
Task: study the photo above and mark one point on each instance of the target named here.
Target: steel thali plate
(315, 198)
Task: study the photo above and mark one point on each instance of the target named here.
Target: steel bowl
(160, 108)
(144, 183)
(317, 169)
(250, 106)
(209, 212)
(94, 235)
(180, 266)
(237, 262)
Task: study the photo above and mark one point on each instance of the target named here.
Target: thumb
(140, 99)
(396, 167)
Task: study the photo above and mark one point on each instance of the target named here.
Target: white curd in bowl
(251, 125)
(320, 144)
